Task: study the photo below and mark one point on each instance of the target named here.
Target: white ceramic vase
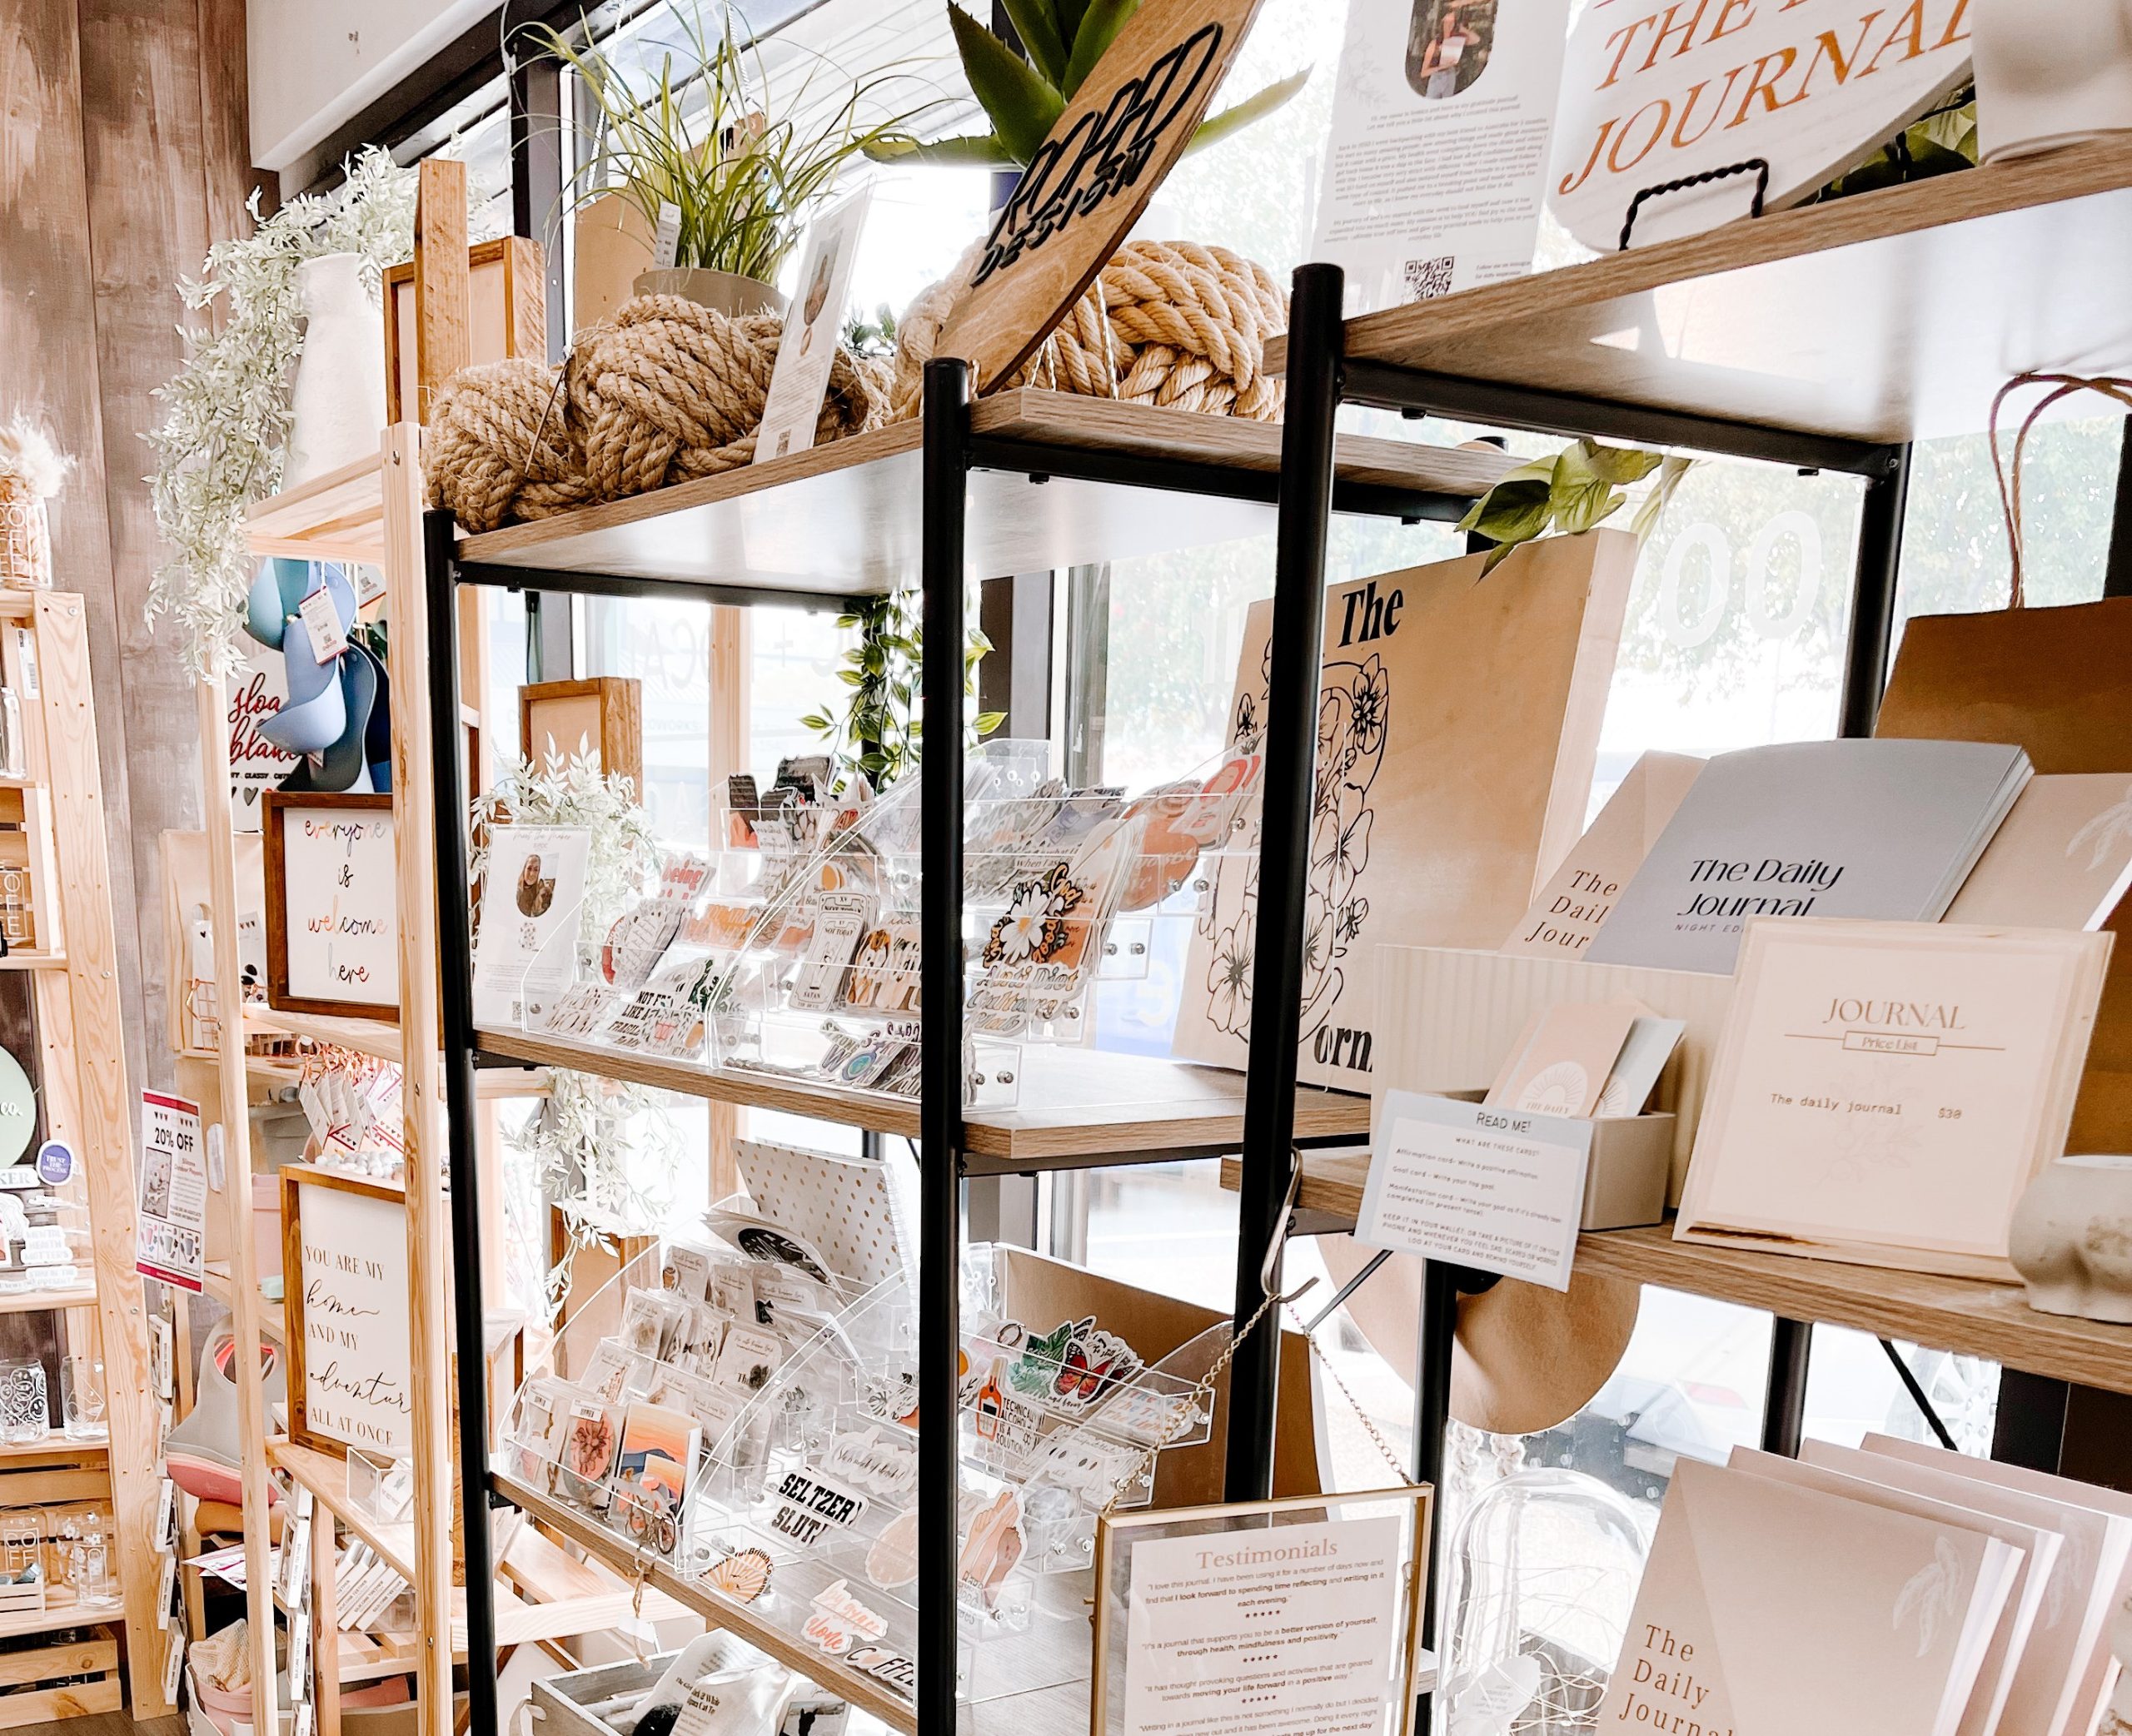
(2071, 1238)
(2049, 73)
(338, 400)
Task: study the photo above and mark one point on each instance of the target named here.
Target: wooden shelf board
(378, 1038)
(16, 1624)
(1096, 1107)
(338, 516)
(35, 1301)
(844, 517)
(1891, 315)
(33, 962)
(830, 1672)
(56, 1448)
(1962, 1314)
(215, 1280)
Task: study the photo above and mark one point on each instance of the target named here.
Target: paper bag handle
(2062, 386)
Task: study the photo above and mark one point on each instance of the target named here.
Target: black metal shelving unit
(2033, 1409)
(950, 452)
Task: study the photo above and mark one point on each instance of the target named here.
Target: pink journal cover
(1768, 1610)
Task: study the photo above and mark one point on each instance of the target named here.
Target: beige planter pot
(2049, 73)
(729, 293)
(2071, 1238)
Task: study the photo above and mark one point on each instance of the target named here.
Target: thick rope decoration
(671, 390)
(1166, 323)
(668, 392)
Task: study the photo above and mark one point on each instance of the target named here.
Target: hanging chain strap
(1184, 1414)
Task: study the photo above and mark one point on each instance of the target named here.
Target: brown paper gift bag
(2058, 682)
(610, 243)
(1459, 723)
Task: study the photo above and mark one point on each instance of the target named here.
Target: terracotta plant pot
(729, 293)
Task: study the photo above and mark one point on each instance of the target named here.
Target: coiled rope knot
(667, 392)
(1167, 323)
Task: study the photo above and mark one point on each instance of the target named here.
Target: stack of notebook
(1895, 1588)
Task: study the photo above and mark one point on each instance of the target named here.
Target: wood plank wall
(122, 154)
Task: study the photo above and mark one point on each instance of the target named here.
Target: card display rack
(1022, 480)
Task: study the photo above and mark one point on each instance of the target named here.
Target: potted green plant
(1025, 91)
(700, 138)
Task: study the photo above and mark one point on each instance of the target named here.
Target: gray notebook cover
(1882, 829)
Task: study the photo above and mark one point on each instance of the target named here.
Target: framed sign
(344, 1253)
(1653, 93)
(507, 307)
(332, 905)
(1091, 177)
(1329, 1588)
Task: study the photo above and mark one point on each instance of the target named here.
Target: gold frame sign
(1094, 175)
(1281, 1614)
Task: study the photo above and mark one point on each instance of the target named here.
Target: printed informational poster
(173, 1218)
(800, 379)
(1264, 1632)
(1492, 1189)
(1443, 124)
(532, 904)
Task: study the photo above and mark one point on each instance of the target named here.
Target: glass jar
(81, 1409)
(25, 1408)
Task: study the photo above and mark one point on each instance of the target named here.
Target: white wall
(316, 63)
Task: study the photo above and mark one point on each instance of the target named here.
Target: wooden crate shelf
(1961, 1315)
(845, 517)
(377, 1038)
(45, 1683)
(1891, 315)
(1099, 1108)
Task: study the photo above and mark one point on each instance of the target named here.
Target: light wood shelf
(14, 1624)
(1098, 1108)
(56, 1448)
(35, 1301)
(1887, 316)
(845, 517)
(338, 516)
(1966, 1316)
(377, 1038)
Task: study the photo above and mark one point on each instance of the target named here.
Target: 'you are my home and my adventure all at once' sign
(346, 1248)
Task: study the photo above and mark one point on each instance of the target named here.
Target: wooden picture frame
(1116, 1532)
(507, 290)
(296, 1178)
(607, 711)
(276, 807)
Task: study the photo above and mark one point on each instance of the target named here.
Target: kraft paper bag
(2057, 682)
(1458, 723)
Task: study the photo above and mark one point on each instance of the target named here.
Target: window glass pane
(1853, 1390)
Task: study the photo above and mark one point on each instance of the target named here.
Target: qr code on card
(1429, 278)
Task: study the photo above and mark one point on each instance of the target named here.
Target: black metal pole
(455, 944)
(1873, 594)
(1784, 1407)
(2030, 1429)
(1316, 338)
(2117, 576)
(946, 460)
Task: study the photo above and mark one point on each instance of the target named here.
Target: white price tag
(321, 621)
(667, 238)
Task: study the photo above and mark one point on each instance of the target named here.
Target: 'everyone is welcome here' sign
(332, 905)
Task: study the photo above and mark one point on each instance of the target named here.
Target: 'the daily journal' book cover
(1883, 829)
(1771, 1610)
